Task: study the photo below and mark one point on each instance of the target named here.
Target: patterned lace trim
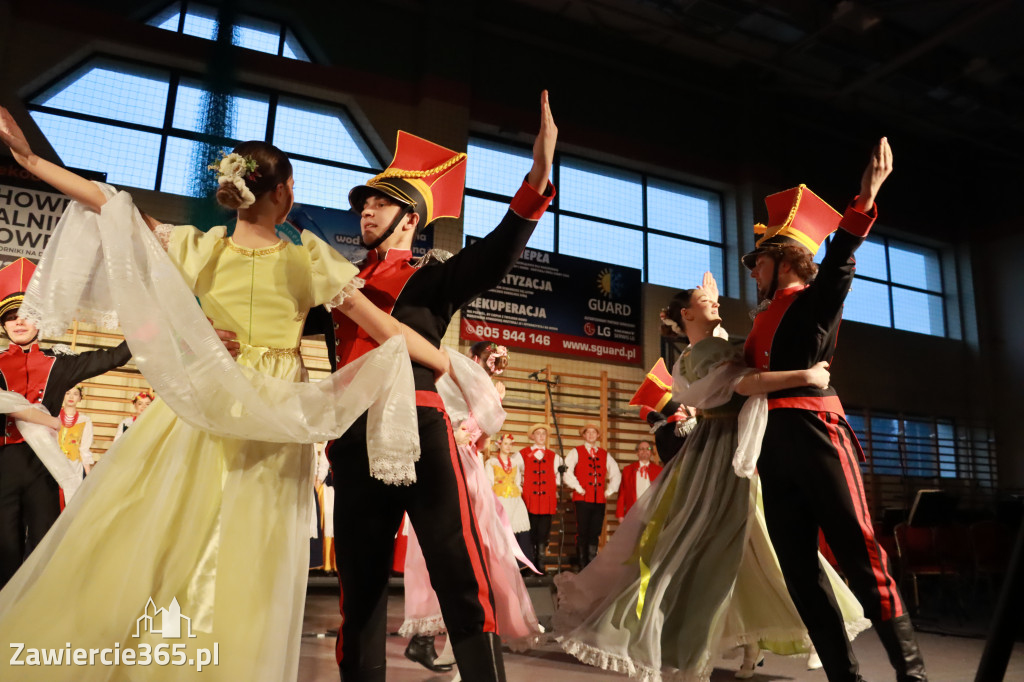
(434, 625)
(255, 253)
(604, 660)
(395, 467)
(162, 232)
(354, 285)
(104, 319)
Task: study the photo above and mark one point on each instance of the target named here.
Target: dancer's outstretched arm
(75, 186)
(878, 169)
(381, 327)
(767, 382)
(34, 416)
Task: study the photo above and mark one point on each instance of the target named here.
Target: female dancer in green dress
(689, 574)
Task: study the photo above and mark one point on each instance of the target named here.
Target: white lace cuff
(162, 232)
(354, 285)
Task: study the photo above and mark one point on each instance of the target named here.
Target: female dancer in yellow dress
(181, 531)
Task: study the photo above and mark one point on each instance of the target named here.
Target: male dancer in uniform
(809, 463)
(29, 496)
(424, 182)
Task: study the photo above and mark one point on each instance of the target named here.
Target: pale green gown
(690, 573)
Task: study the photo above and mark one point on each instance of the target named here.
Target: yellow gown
(215, 527)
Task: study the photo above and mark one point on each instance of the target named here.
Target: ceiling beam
(953, 28)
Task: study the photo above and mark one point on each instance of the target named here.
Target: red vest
(26, 373)
(540, 492)
(385, 280)
(627, 490)
(591, 473)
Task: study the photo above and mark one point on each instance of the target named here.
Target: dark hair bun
(273, 168)
(229, 197)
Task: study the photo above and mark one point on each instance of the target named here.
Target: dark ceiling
(947, 66)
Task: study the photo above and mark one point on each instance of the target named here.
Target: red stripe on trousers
(341, 626)
(430, 399)
(891, 606)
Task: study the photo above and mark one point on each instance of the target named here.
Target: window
(671, 232)
(898, 285)
(935, 448)
(200, 20)
(144, 127)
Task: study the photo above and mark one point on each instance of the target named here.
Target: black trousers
(29, 505)
(589, 523)
(540, 529)
(367, 514)
(810, 478)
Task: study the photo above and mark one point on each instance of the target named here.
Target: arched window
(142, 125)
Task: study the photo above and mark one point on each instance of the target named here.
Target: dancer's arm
(769, 382)
(381, 327)
(480, 266)
(75, 186)
(34, 416)
(614, 476)
(569, 477)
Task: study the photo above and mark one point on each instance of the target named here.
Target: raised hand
(878, 169)
(543, 147)
(10, 133)
(710, 286)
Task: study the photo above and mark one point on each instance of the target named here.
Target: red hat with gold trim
(795, 216)
(656, 390)
(425, 177)
(14, 280)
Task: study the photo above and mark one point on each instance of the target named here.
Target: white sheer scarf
(43, 442)
(717, 388)
(469, 390)
(108, 268)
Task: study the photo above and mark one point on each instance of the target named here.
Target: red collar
(789, 291)
(390, 256)
(15, 348)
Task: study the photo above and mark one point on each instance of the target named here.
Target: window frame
(883, 237)
(972, 464)
(167, 130)
(284, 28)
(645, 178)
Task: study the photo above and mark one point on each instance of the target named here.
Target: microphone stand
(562, 502)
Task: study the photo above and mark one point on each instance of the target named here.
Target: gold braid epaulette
(400, 173)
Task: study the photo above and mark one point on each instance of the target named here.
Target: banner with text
(29, 210)
(340, 229)
(562, 304)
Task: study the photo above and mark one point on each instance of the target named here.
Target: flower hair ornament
(670, 323)
(235, 169)
(496, 352)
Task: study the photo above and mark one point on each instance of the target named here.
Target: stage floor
(950, 658)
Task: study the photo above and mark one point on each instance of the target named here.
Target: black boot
(539, 557)
(479, 658)
(421, 649)
(900, 644)
(591, 553)
(581, 557)
(375, 674)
